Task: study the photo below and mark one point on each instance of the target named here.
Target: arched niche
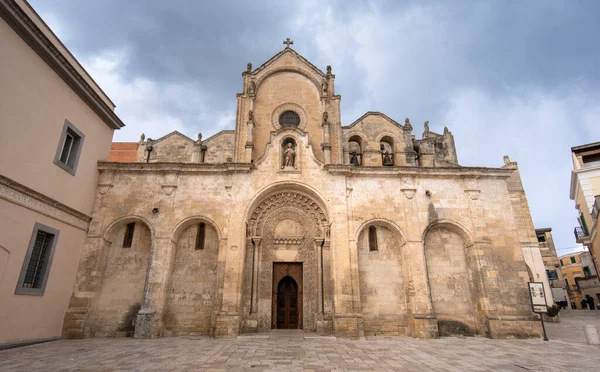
(191, 294)
(450, 279)
(381, 278)
(123, 267)
(289, 154)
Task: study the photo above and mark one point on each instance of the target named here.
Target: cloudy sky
(507, 77)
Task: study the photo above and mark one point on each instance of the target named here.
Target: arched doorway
(287, 235)
(288, 313)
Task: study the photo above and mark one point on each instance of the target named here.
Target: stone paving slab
(372, 354)
(293, 351)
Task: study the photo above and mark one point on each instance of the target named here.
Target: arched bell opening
(386, 146)
(355, 147)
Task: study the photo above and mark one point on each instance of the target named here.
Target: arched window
(128, 238)
(355, 150)
(372, 238)
(200, 236)
(386, 145)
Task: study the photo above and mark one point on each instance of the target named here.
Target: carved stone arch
(287, 194)
(384, 134)
(348, 135)
(127, 219)
(187, 222)
(454, 226)
(290, 199)
(275, 71)
(382, 222)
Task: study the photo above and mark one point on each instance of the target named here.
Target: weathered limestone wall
(123, 280)
(450, 282)
(382, 290)
(219, 148)
(192, 290)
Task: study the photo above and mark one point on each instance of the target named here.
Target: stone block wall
(192, 290)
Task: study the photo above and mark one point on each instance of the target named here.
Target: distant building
(585, 191)
(580, 277)
(56, 124)
(550, 258)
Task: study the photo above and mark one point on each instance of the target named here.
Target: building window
(567, 283)
(591, 160)
(289, 119)
(200, 236)
(372, 238)
(36, 266)
(586, 271)
(541, 238)
(552, 274)
(561, 263)
(69, 148)
(128, 238)
(573, 260)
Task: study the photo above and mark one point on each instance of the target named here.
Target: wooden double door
(287, 295)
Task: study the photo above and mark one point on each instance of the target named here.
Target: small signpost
(538, 302)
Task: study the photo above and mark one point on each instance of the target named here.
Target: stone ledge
(22, 195)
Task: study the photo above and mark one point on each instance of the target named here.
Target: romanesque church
(298, 219)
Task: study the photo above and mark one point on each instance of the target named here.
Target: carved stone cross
(288, 42)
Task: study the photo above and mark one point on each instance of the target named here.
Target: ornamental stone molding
(289, 107)
(473, 194)
(286, 199)
(21, 195)
(409, 193)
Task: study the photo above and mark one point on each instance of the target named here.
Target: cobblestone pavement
(291, 351)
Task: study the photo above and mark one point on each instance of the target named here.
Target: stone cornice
(352, 170)
(19, 194)
(32, 35)
(176, 167)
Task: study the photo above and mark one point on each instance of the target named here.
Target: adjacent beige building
(585, 191)
(295, 220)
(55, 125)
(552, 264)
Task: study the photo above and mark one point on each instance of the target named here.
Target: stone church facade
(295, 221)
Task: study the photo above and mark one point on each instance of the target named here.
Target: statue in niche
(252, 87)
(289, 156)
(251, 115)
(325, 88)
(387, 159)
(325, 117)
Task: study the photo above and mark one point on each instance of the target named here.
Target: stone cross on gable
(288, 42)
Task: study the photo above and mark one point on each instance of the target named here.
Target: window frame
(46, 270)
(372, 238)
(75, 148)
(129, 235)
(200, 236)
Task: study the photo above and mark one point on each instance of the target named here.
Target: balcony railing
(580, 233)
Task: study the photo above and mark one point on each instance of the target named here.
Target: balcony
(581, 234)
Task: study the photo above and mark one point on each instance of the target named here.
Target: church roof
(294, 53)
(374, 113)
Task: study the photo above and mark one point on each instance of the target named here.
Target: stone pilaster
(149, 319)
